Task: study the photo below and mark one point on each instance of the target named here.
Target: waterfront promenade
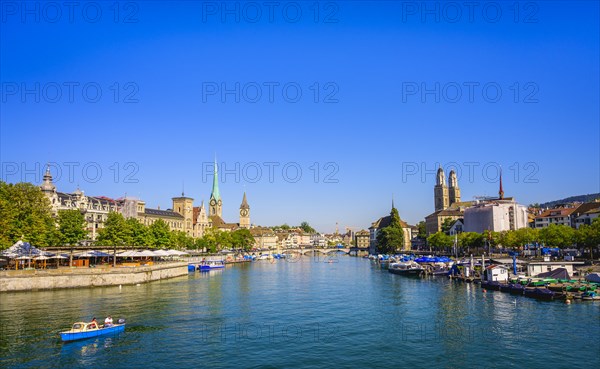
(43, 279)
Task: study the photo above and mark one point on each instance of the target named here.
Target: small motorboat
(539, 293)
(82, 330)
(590, 295)
(406, 268)
(516, 288)
(209, 265)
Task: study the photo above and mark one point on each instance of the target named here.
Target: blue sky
(141, 85)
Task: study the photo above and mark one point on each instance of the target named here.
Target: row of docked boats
(409, 265)
(546, 288)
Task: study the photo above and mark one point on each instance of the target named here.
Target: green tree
(115, 231)
(589, 235)
(421, 226)
(391, 238)
(160, 234)
(181, 240)
(527, 235)
(446, 224)
(307, 228)
(284, 226)
(223, 240)
(71, 226)
(137, 233)
(557, 235)
(440, 240)
(508, 239)
(25, 214)
(470, 240)
(242, 239)
(208, 241)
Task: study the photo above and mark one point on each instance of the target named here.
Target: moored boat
(539, 293)
(211, 265)
(516, 288)
(590, 295)
(82, 330)
(406, 268)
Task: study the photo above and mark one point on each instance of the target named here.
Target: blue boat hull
(66, 336)
(206, 268)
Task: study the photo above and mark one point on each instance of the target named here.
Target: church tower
(185, 207)
(215, 203)
(453, 190)
(245, 213)
(440, 191)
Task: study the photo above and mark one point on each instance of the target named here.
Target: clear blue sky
(369, 62)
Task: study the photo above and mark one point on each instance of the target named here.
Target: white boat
(409, 268)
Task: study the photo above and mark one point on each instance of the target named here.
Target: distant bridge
(309, 251)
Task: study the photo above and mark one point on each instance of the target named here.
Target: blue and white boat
(209, 265)
(82, 330)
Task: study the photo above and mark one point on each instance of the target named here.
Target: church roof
(386, 221)
(244, 202)
(162, 213)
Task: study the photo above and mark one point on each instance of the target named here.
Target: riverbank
(32, 280)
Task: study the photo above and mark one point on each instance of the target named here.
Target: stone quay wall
(31, 280)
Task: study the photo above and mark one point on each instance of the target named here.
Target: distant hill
(580, 198)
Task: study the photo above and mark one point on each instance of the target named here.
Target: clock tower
(185, 206)
(215, 204)
(245, 213)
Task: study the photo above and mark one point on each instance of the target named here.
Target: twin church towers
(446, 195)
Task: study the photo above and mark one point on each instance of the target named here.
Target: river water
(305, 312)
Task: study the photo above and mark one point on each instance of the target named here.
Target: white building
(496, 273)
(536, 267)
(495, 215)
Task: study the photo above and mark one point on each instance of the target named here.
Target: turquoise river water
(302, 313)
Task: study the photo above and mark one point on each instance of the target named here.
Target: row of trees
(119, 231)
(303, 226)
(552, 236)
(25, 214)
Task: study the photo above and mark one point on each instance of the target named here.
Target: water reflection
(306, 313)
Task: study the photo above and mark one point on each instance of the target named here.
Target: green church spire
(215, 188)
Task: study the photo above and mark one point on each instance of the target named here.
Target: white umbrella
(161, 253)
(24, 258)
(58, 257)
(129, 253)
(146, 253)
(41, 257)
(176, 252)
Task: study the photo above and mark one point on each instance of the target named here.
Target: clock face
(213, 202)
(244, 212)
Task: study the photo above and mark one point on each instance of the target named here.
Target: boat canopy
(593, 277)
(560, 273)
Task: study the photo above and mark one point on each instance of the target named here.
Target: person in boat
(108, 322)
(93, 324)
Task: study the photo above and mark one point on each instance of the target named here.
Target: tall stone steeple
(440, 191)
(453, 190)
(245, 213)
(501, 190)
(215, 203)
